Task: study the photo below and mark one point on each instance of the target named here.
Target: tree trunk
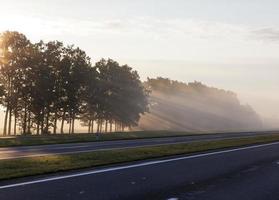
(110, 128)
(55, 123)
(25, 119)
(70, 125)
(101, 126)
(117, 126)
(10, 122)
(62, 123)
(92, 126)
(98, 126)
(89, 126)
(29, 122)
(5, 121)
(15, 121)
(38, 123)
(47, 121)
(42, 121)
(106, 126)
(73, 124)
(38, 126)
(8, 107)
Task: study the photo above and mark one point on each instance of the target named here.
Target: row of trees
(45, 85)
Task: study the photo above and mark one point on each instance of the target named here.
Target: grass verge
(74, 138)
(48, 164)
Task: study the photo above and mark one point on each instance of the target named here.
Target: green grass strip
(22, 167)
(75, 138)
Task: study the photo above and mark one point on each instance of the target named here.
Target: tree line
(180, 106)
(43, 86)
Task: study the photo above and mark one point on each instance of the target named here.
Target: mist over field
(196, 107)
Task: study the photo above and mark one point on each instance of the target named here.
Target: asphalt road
(248, 173)
(33, 151)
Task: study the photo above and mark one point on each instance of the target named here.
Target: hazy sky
(231, 44)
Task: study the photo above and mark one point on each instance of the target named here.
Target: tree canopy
(43, 85)
(195, 106)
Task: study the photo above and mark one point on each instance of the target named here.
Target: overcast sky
(230, 44)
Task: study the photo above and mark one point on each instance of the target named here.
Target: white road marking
(134, 166)
(96, 150)
(91, 150)
(41, 149)
(104, 149)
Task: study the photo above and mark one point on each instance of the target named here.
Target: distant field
(48, 164)
(66, 138)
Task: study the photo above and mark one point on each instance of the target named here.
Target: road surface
(33, 151)
(247, 173)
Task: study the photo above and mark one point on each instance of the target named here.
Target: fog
(255, 83)
(196, 107)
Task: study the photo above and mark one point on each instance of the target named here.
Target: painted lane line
(133, 166)
(43, 149)
(38, 154)
(92, 150)
(106, 149)
(4, 150)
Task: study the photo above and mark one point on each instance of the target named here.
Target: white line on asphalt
(41, 149)
(95, 150)
(37, 154)
(133, 166)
